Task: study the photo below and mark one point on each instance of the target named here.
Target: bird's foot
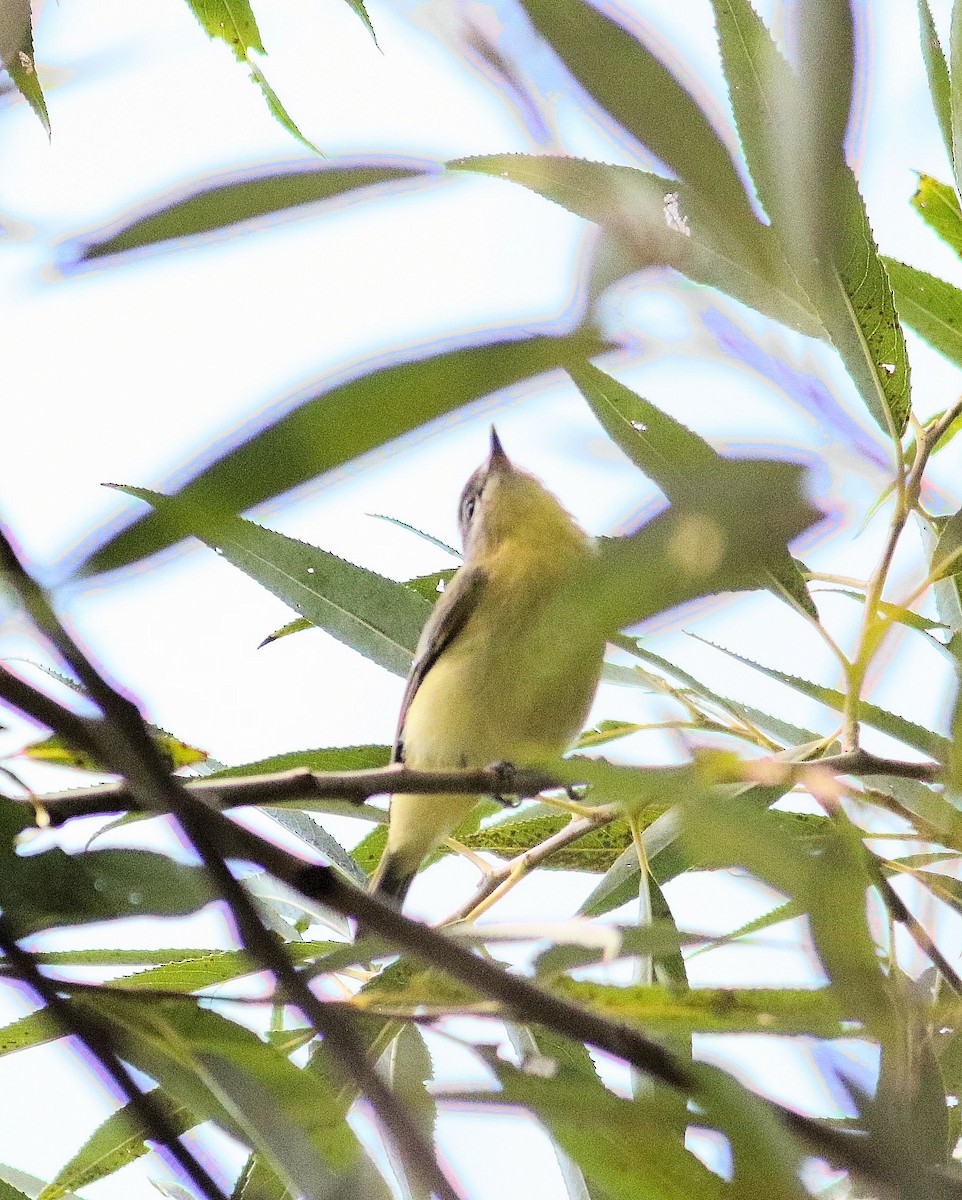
(505, 773)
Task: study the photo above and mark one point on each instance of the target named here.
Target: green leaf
(631, 84)
(662, 1010)
(375, 616)
(340, 424)
(35, 1029)
(938, 205)
(792, 735)
(17, 57)
(723, 533)
(627, 1148)
(326, 758)
(932, 307)
(114, 1144)
(9, 1192)
(226, 205)
(595, 851)
(275, 107)
(670, 454)
(947, 557)
(298, 625)
(259, 1181)
(232, 21)
(55, 749)
(955, 90)
(224, 1072)
(894, 725)
(658, 221)
(793, 133)
(937, 70)
(604, 732)
(53, 888)
(726, 831)
(427, 586)
(425, 537)
(409, 1070)
(895, 612)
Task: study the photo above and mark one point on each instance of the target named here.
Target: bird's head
(501, 503)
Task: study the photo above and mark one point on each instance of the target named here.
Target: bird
(491, 682)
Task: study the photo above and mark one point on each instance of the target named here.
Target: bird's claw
(505, 782)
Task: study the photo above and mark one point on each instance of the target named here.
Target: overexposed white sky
(132, 370)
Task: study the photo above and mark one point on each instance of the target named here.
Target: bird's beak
(497, 459)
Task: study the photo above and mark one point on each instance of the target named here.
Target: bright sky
(132, 370)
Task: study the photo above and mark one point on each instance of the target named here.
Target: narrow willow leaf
(55, 749)
(275, 106)
(931, 306)
(938, 206)
(426, 537)
(810, 193)
(21, 1185)
(298, 625)
(409, 1070)
(947, 556)
(895, 612)
(17, 57)
(595, 851)
(53, 888)
(316, 836)
(792, 735)
(259, 1181)
(937, 70)
(626, 1148)
(343, 422)
(224, 1072)
(721, 534)
(894, 725)
(9, 1192)
(727, 831)
(604, 732)
(222, 206)
(373, 615)
(813, 1011)
(326, 758)
(35, 1029)
(432, 585)
(357, 6)
(955, 90)
(232, 21)
(119, 1141)
(670, 454)
(631, 84)
(658, 221)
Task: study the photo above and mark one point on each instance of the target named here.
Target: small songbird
(490, 682)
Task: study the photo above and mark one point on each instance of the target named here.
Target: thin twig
(519, 866)
(875, 627)
(72, 1021)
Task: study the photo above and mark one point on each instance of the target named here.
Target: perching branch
(303, 785)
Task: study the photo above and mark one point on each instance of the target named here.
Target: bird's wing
(448, 617)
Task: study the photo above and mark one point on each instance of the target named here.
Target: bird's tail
(392, 879)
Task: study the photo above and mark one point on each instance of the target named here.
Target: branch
(123, 743)
(301, 784)
(152, 1118)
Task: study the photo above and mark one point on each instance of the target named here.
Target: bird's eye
(469, 508)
